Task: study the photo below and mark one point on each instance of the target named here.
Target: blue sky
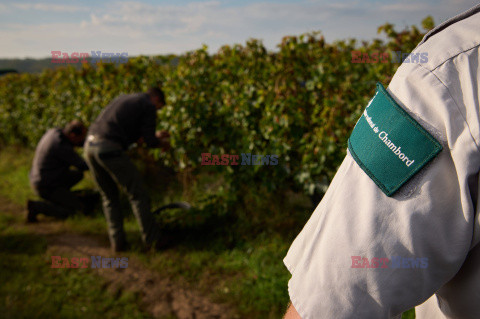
(35, 28)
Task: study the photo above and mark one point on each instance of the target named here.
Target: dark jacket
(126, 119)
(53, 157)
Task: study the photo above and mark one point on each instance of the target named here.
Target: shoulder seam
(456, 104)
(450, 58)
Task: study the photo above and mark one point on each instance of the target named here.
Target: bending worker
(123, 122)
(52, 175)
(399, 225)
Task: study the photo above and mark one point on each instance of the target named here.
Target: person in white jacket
(399, 226)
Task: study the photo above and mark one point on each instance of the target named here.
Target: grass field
(247, 274)
(31, 289)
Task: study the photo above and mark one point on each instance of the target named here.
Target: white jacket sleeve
(431, 219)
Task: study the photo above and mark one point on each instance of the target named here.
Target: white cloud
(158, 29)
(210, 20)
(402, 7)
(49, 7)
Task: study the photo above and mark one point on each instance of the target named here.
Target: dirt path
(160, 295)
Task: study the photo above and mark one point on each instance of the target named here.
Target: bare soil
(162, 297)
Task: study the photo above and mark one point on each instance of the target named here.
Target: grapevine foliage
(299, 102)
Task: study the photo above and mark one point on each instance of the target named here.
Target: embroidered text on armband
(388, 144)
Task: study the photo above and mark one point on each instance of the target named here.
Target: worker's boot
(120, 245)
(31, 214)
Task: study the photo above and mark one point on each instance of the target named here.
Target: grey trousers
(112, 169)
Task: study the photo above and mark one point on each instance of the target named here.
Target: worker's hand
(292, 313)
(164, 138)
(162, 134)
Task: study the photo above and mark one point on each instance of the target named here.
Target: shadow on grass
(23, 244)
(30, 288)
(196, 230)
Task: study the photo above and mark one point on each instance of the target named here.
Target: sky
(35, 28)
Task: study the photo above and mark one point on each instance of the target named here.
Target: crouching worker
(56, 169)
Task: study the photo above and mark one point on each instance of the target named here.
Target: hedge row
(298, 103)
